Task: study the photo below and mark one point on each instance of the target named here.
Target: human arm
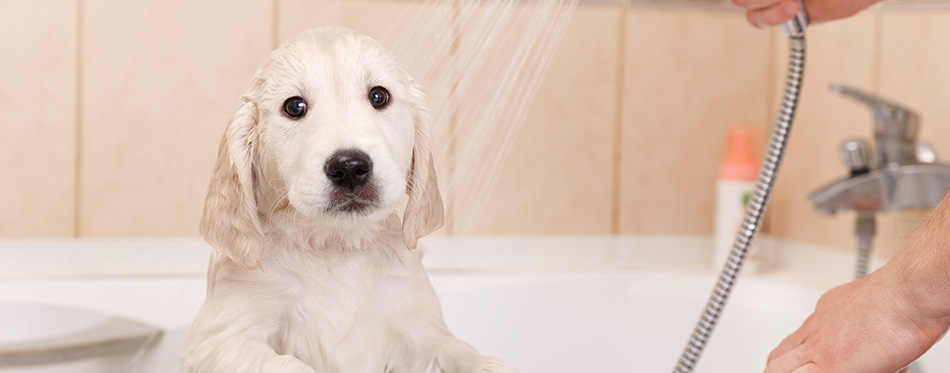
(766, 13)
(884, 321)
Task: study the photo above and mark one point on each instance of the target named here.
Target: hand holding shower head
(755, 210)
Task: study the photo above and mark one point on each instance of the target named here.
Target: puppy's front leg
(285, 363)
(247, 356)
(460, 357)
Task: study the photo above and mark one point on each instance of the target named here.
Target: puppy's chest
(326, 330)
(351, 317)
(335, 307)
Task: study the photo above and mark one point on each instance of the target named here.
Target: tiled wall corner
(689, 74)
(558, 178)
(160, 82)
(37, 118)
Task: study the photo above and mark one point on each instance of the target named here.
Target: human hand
(874, 324)
(766, 13)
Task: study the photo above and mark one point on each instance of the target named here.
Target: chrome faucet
(900, 175)
(895, 129)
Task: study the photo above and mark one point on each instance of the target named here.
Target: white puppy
(312, 269)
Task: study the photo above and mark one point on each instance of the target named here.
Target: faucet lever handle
(856, 155)
(891, 120)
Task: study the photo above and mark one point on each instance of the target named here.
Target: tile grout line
(77, 172)
(618, 119)
(876, 56)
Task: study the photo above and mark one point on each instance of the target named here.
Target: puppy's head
(331, 131)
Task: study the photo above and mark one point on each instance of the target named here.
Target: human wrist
(920, 272)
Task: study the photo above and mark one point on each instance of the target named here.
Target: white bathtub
(578, 304)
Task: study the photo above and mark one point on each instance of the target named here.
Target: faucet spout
(890, 189)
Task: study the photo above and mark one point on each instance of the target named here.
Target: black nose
(348, 168)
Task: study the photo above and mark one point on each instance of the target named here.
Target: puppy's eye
(295, 107)
(379, 97)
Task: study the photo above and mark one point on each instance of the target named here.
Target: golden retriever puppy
(315, 266)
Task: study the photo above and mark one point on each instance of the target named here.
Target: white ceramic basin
(31, 322)
(36, 333)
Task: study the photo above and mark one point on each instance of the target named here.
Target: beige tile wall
(624, 135)
(688, 75)
(161, 79)
(295, 16)
(560, 168)
(37, 118)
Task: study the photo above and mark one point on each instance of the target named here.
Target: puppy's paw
(285, 363)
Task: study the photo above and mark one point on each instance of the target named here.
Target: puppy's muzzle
(349, 169)
(351, 173)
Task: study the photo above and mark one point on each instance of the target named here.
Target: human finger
(774, 15)
(807, 368)
(755, 4)
(788, 362)
(789, 343)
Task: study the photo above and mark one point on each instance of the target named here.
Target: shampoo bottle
(737, 175)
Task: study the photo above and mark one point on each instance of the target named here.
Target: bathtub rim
(188, 257)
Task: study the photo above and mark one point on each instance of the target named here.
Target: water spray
(755, 210)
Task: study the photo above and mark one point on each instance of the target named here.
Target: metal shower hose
(754, 211)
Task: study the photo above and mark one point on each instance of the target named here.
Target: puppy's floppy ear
(424, 212)
(229, 221)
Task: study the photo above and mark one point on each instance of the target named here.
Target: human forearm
(881, 322)
(921, 269)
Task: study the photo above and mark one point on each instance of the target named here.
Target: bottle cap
(739, 162)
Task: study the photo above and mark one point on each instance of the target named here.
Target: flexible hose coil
(754, 211)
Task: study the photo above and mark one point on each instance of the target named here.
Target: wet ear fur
(229, 221)
(424, 212)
